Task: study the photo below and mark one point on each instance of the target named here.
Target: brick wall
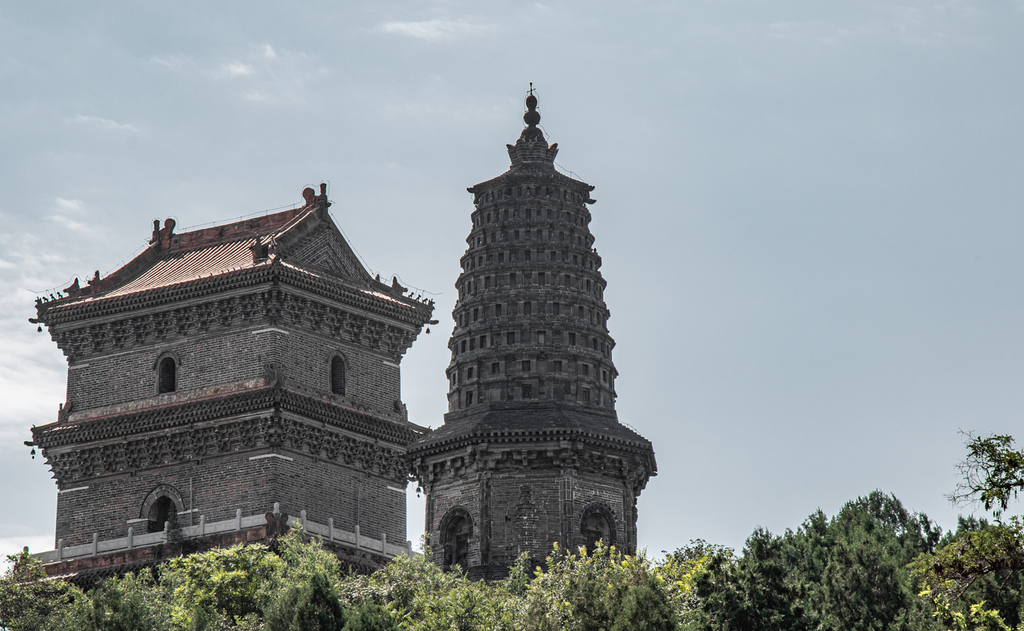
(223, 484)
(223, 357)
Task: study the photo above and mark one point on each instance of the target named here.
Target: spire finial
(532, 116)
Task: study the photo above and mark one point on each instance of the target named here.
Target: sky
(809, 213)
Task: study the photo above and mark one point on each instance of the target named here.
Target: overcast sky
(809, 212)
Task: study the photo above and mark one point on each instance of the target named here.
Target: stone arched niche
(596, 524)
(162, 505)
(456, 529)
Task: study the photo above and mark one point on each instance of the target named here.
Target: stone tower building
(225, 379)
(531, 451)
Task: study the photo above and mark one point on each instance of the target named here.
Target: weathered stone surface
(531, 452)
(250, 324)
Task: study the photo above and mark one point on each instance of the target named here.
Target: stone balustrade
(202, 529)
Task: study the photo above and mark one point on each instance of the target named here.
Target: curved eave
(524, 172)
(401, 309)
(70, 432)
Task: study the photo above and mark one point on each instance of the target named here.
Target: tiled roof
(193, 265)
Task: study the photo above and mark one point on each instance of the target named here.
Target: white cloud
(236, 68)
(268, 52)
(102, 123)
(437, 29)
(74, 205)
(64, 209)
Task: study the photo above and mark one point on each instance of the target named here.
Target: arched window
(167, 375)
(597, 524)
(162, 505)
(456, 529)
(338, 375)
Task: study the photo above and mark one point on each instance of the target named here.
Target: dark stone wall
(526, 510)
(228, 356)
(223, 484)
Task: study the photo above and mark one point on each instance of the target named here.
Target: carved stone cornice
(632, 469)
(375, 300)
(271, 306)
(194, 442)
(178, 416)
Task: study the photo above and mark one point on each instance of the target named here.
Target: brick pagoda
(531, 451)
(224, 384)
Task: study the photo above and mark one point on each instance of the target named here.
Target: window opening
(338, 375)
(168, 377)
(162, 510)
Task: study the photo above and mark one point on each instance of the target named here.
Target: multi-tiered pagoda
(531, 452)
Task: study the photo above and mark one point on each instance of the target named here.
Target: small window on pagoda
(526, 365)
(527, 391)
(495, 368)
(469, 398)
(168, 375)
(586, 395)
(510, 337)
(527, 308)
(338, 375)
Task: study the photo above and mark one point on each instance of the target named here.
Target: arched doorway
(162, 510)
(456, 529)
(597, 524)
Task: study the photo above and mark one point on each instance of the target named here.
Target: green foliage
(598, 591)
(845, 573)
(26, 598)
(992, 472)
(125, 604)
(975, 580)
(221, 586)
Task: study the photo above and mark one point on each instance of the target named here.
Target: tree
(975, 578)
(844, 573)
(27, 598)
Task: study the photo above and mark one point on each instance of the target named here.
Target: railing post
(330, 528)
(277, 508)
(358, 544)
(202, 525)
(130, 535)
(167, 529)
(238, 519)
(302, 518)
(95, 543)
(60, 550)
(383, 542)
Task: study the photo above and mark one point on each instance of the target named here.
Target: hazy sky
(809, 212)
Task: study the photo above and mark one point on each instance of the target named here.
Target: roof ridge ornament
(532, 147)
